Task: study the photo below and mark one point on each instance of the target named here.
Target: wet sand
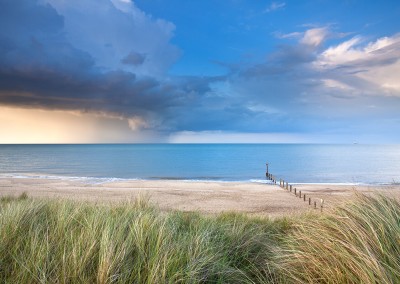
(205, 197)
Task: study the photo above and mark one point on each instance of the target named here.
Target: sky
(210, 71)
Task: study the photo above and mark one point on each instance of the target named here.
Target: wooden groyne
(293, 190)
(270, 176)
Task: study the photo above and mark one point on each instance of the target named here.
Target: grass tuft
(47, 241)
(357, 243)
(10, 198)
(50, 241)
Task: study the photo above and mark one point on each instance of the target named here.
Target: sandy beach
(205, 197)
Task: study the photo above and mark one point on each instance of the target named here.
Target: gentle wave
(88, 180)
(102, 180)
(264, 181)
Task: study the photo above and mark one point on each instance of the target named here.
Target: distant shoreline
(99, 180)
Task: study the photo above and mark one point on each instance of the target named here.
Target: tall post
(267, 168)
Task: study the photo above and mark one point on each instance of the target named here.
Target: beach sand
(205, 197)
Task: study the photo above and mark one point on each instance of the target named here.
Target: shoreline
(100, 180)
(201, 196)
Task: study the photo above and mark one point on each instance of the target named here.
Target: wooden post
(299, 193)
(267, 168)
(295, 191)
(309, 201)
(287, 185)
(304, 197)
(322, 204)
(290, 187)
(315, 204)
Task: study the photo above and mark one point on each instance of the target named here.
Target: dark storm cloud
(40, 68)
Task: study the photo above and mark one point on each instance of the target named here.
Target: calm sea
(297, 163)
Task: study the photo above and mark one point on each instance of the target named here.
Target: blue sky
(199, 71)
(231, 30)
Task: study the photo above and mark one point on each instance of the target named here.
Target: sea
(296, 163)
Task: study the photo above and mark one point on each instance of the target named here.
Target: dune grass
(357, 243)
(69, 242)
(59, 241)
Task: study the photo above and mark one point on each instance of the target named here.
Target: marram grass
(69, 242)
(58, 241)
(357, 243)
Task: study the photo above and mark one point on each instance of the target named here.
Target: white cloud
(342, 53)
(315, 37)
(123, 5)
(382, 43)
(387, 77)
(275, 6)
(376, 63)
(289, 35)
(330, 83)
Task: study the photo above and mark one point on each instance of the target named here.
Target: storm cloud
(41, 66)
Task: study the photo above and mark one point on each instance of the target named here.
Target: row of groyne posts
(286, 186)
